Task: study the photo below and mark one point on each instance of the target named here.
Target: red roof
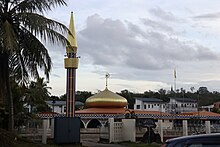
(202, 113)
(116, 111)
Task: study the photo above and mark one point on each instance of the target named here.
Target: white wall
(149, 106)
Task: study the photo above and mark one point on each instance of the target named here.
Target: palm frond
(44, 27)
(39, 6)
(34, 54)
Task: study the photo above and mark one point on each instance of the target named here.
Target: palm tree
(37, 92)
(22, 28)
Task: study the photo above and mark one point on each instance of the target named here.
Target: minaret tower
(71, 64)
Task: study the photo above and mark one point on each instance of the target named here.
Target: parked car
(201, 140)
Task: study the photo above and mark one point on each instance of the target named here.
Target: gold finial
(107, 75)
(71, 38)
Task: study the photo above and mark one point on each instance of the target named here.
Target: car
(201, 140)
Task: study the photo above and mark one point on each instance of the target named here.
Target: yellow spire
(71, 38)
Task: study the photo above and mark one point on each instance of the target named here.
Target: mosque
(107, 104)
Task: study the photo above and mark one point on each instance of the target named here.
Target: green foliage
(22, 54)
(202, 95)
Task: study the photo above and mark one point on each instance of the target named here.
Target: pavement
(97, 144)
(92, 140)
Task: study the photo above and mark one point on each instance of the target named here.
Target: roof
(217, 102)
(116, 111)
(150, 100)
(200, 113)
(106, 98)
(185, 100)
(63, 103)
(101, 111)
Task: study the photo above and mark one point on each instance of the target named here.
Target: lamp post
(53, 102)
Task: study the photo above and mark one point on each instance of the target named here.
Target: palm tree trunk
(5, 90)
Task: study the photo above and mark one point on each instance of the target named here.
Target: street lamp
(53, 102)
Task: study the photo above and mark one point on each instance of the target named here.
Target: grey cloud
(164, 15)
(157, 25)
(55, 75)
(208, 16)
(115, 43)
(212, 85)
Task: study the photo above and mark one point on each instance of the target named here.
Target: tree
(192, 89)
(37, 93)
(128, 95)
(22, 28)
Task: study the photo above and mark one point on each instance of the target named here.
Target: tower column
(71, 64)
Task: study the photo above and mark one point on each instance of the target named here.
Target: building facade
(174, 106)
(149, 104)
(180, 105)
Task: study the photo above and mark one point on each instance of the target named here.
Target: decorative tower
(71, 64)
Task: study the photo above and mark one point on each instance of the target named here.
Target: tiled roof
(186, 100)
(63, 103)
(102, 111)
(150, 100)
(202, 113)
(116, 111)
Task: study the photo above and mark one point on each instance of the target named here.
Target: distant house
(149, 104)
(60, 106)
(179, 105)
(208, 108)
(217, 105)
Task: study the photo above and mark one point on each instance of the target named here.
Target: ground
(9, 139)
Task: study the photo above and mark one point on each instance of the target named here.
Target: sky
(140, 43)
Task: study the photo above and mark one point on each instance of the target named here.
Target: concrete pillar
(160, 129)
(44, 135)
(207, 127)
(111, 129)
(52, 128)
(185, 128)
(129, 130)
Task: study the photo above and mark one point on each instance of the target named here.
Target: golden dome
(106, 98)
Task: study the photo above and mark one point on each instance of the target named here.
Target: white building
(179, 105)
(208, 107)
(60, 106)
(149, 104)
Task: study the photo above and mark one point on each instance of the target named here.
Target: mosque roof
(102, 111)
(93, 111)
(105, 99)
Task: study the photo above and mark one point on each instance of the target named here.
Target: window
(145, 106)
(138, 106)
(152, 106)
(148, 106)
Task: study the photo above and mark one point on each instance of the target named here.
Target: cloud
(109, 42)
(157, 25)
(208, 16)
(164, 15)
